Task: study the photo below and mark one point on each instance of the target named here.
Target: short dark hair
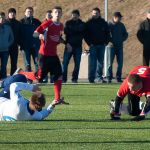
(58, 7)
(76, 11)
(96, 9)
(30, 8)
(12, 10)
(2, 13)
(35, 99)
(134, 78)
(49, 11)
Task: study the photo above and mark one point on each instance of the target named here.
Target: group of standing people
(96, 32)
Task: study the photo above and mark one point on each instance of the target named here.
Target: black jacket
(97, 32)
(28, 26)
(118, 33)
(143, 34)
(16, 28)
(74, 31)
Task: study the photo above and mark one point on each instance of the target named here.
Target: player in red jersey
(137, 84)
(49, 33)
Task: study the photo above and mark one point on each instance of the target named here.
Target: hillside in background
(132, 10)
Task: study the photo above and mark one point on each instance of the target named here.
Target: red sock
(57, 89)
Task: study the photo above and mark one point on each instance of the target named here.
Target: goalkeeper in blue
(13, 106)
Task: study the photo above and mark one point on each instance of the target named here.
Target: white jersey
(17, 107)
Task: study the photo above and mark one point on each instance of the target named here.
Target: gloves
(115, 116)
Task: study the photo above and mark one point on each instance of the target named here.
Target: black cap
(118, 14)
(76, 11)
(12, 10)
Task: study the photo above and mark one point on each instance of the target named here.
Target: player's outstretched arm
(115, 107)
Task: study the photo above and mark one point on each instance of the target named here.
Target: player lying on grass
(13, 106)
(137, 84)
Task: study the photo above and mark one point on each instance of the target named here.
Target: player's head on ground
(56, 13)
(134, 82)
(37, 101)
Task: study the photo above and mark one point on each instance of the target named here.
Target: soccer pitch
(84, 124)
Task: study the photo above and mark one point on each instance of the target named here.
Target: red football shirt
(52, 33)
(144, 73)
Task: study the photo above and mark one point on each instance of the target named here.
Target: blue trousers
(96, 61)
(118, 52)
(3, 68)
(76, 53)
(8, 81)
(27, 53)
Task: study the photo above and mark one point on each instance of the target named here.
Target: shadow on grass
(90, 120)
(100, 142)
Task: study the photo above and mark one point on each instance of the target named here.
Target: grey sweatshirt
(6, 37)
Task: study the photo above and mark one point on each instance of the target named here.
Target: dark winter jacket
(28, 26)
(118, 33)
(16, 28)
(97, 32)
(143, 33)
(74, 31)
(6, 37)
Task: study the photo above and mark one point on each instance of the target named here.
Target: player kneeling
(134, 86)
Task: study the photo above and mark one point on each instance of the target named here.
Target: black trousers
(146, 57)
(13, 53)
(133, 108)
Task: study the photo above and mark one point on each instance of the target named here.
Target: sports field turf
(84, 124)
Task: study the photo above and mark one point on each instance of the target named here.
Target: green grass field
(84, 124)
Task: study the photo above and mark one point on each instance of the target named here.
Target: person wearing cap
(143, 35)
(97, 36)
(74, 32)
(16, 28)
(118, 36)
(6, 40)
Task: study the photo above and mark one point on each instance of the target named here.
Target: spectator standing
(16, 28)
(29, 44)
(143, 36)
(118, 36)
(74, 32)
(96, 36)
(48, 15)
(6, 39)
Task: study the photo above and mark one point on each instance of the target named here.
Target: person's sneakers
(101, 81)
(108, 81)
(119, 81)
(91, 81)
(60, 101)
(74, 81)
(17, 71)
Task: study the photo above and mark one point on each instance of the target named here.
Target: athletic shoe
(119, 81)
(60, 101)
(17, 71)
